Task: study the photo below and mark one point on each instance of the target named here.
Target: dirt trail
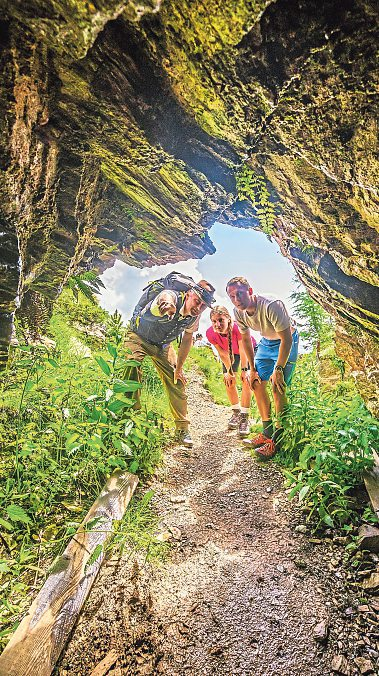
(241, 591)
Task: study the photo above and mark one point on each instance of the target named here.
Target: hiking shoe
(267, 451)
(244, 426)
(183, 437)
(259, 440)
(234, 420)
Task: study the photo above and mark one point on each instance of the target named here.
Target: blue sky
(238, 252)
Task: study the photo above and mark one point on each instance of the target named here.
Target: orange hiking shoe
(259, 440)
(267, 451)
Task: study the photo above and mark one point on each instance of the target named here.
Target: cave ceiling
(123, 126)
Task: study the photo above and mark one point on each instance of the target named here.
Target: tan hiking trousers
(159, 356)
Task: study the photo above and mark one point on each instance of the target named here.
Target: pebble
(340, 664)
(364, 665)
(320, 632)
(176, 499)
(301, 529)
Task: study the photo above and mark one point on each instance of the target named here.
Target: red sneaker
(259, 440)
(267, 451)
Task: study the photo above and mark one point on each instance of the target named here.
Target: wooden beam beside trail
(38, 641)
(103, 667)
(371, 480)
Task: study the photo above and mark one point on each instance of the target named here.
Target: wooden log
(103, 667)
(38, 641)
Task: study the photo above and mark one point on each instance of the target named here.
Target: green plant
(319, 326)
(253, 186)
(66, 422)
(328, 442)
(88, 283)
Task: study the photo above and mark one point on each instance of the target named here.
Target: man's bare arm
(248, 347)
(277, 378)
(285, 346)
(184, 349)
(243, 355)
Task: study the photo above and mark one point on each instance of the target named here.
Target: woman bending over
(224, 334)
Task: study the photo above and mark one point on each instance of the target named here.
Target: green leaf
(4, 568)
(71, 439)
(94, 556)
(328, 520)
(303, 493)
(125, 386)
(93, 523)
(17, 513)
(295, 490)
(6, 524)
(103, 365)
(112, 350)
(133, 467)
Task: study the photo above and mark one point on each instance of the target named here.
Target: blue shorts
(267, 355)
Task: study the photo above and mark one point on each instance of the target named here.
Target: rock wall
(123, 125)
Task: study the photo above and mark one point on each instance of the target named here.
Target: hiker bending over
(224, 334)
(274, 360)
(167, 308)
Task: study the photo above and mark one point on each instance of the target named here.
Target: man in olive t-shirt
(274, 360)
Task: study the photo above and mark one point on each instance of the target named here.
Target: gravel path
(241, 591)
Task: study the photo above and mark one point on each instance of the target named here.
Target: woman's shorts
(236, 365)
(267, 356)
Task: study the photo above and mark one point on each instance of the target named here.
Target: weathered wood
(371, 480)
(37, 643)
(105, 664)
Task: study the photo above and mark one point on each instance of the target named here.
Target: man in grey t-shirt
(274, 360)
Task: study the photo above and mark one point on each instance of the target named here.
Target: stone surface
(369, 538)
(123, 126)
(364, 665)
(340, 664)
(320, 632)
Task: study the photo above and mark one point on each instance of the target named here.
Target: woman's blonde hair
(222, 310)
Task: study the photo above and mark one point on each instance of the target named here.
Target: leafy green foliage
(328, 441)
(66, 422)
(88, 283)
(253, 187)
(318, 325)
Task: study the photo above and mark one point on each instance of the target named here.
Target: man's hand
(229, 379)
(179, 375)
(277, 380)
(166, 306)
(254, 378)
(245, 376)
